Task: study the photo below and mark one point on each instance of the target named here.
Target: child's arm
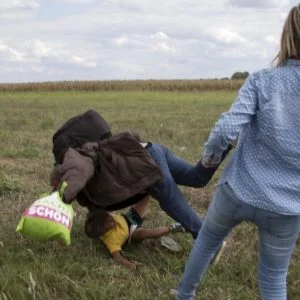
(143, 233)
(119, 258)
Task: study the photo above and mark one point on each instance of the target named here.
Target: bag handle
(62, 189)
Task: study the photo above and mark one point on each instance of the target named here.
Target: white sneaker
(215, 260)
(175, 293)
(176, 227)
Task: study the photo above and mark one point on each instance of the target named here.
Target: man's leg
(278, 236)
(183, 172)
(169, 196)
(220, 219)
(141, 207)
(186, 174)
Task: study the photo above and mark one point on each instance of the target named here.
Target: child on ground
(115, 230)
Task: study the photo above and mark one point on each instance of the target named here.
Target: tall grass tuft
(7, 185)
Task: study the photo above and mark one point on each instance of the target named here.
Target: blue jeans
(277, 234)
(177, 171)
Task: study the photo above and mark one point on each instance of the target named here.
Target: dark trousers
(177, 171)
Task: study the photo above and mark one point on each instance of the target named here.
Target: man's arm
(119, 258)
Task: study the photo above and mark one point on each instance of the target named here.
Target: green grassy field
(84, 270)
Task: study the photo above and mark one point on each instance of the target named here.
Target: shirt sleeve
(232, 122)
(76, 171)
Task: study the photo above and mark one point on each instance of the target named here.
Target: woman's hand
(213, 162)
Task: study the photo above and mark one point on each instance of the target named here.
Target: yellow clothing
(116, 237)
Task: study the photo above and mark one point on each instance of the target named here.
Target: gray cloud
(74, 1)
(18, 5)
(258, 3)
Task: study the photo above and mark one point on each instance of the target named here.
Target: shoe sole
(218, 255)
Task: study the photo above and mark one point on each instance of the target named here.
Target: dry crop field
(125, 85)
(84, 270)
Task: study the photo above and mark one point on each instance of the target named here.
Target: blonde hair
(290, 38)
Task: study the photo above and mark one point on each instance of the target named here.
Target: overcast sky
(43, 40)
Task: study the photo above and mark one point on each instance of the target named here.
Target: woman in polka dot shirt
(261, 182)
